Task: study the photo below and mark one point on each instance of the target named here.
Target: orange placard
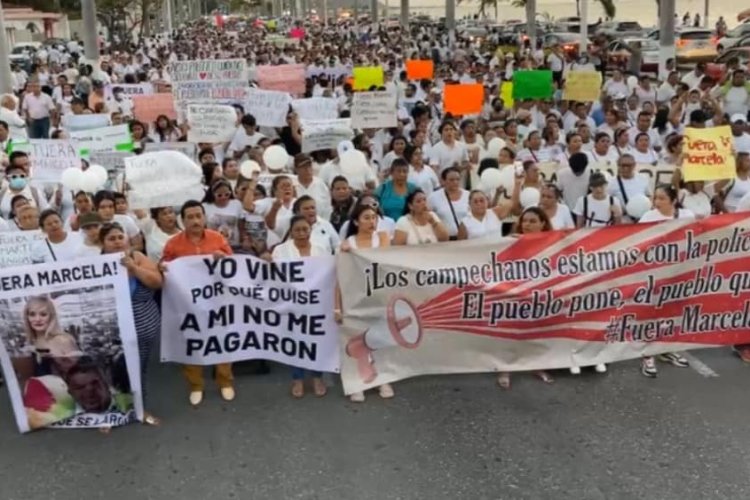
(463, 99)
(420, 70)
(147, 108)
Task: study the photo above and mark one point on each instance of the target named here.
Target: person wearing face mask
(17, 179)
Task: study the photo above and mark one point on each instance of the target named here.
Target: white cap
(738, 117)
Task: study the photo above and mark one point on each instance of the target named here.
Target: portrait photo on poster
(68, 363)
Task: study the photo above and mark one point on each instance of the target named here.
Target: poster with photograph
(68, 347)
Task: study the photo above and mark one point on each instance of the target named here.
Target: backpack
(588, 220)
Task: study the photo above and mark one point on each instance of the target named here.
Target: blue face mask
(17, 183)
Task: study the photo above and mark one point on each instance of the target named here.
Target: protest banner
(162, 179)
(116, 138)
(325, 134)
(15, 247)
(656, 174)
(187, 148)
(367, 76)
(241, 307)
(708, 154)
(85, 122)
(506, 94)
(533, 84)
(548, 300)
(211, 123)
(463, 99)
(209, 79)
(147, 108)
(420, 70)
(374, 110)
(269, 107)
(131, 89)
(333, 72)
(286, 78)
(582, 86)
(49, 157)
(75, 365)
(316, 108)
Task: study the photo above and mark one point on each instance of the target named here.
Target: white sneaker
(575, 370)
(196, 397)
(227, 393)
(601, 368)
(357, 397)
(386, 391)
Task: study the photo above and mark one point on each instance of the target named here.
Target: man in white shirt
(38, 109)
(246, 137)
(628, 183)
(307, 184)
(643, 125)
(668, 89)
(16, 126)
(739, 133)
(693, 78)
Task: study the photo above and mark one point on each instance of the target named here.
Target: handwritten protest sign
(334, 72)
(367, 76)
(420, 70)
(147, 108)
(708, 154)
(325, 134)
(131, 89)
(162, 179)
(286, 78)
(187, 148)
(582, 86)
(49, 157)
(211, 123)
(288, 319)
(316, 108)
(209, 79)
(115, 138)
(85, 122)
(534, 84)
(463, 99)
(269, 107)
(374, 110)
(15, 247)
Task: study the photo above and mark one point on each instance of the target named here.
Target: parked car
(695, 45)
(620, 52)
(718, 69)
(570, 42)
(620, 29)
(733, 36)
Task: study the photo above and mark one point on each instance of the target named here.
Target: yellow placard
(506, 94)
(708, 154)
(367, 76)
(582, 86)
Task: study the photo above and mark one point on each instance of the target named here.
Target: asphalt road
(681, 436)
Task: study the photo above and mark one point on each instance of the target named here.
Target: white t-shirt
(241, 140)
(262, 207)
(385, 225)
(638, 184)
(225, 219)
(8, 195)
(442, 156)
(156, 239)
(128, 225)
(562, 219)
(425, 179)
(46, 251)
(735, 190)
(598, 212)
(698, 203)
(438, 203)
(416, 234)
(655, 216)
(573, 186)
(476, 228)
(288, 251)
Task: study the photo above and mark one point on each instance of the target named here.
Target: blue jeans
(299, 373)
(39, 129)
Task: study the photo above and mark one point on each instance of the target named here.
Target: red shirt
(180, 245)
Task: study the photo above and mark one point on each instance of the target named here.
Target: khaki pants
(194, 376)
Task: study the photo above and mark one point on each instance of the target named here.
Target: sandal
(298, 389)
(503, 380)
(151, 420)
(319, 387)
(545, 377)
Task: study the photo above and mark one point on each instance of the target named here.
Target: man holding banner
(195, 239)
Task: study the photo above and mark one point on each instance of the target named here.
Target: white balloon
(248, 168)
(89, 183)
(494, 147)
(353, 162)
(508, 181)
(99, 173)
(275, 157)
(72, 178)
(492, 179)
(638, 205)
(530, 197)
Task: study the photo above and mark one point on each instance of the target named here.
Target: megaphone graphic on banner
(402, 327)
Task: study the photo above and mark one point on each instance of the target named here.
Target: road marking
(699, 366)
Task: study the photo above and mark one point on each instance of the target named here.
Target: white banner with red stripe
(544, 301)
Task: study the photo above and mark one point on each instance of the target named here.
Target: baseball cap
(89, 219)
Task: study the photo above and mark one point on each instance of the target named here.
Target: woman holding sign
(144, 278)
(297, 244)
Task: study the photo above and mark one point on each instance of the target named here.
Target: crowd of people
(423, 181)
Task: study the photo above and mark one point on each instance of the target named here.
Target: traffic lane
(618, 435)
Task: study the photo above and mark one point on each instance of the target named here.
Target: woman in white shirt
(448, 152)
(297, 245)
(322, 234)
(643, 153)
(621, 145)
(420, 175)
(223, 211)
(277, 208)
(165, 130)
(665, 208)
(418, 225)
(695, 199)
(396, 150)
(165, 226)
(558, 213)
(451, 204)
(482, 220)
(602, 156)
(363, 233)
(597, 209)
(733, 190)
(59, 245)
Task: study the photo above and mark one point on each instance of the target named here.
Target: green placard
(534, 84)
